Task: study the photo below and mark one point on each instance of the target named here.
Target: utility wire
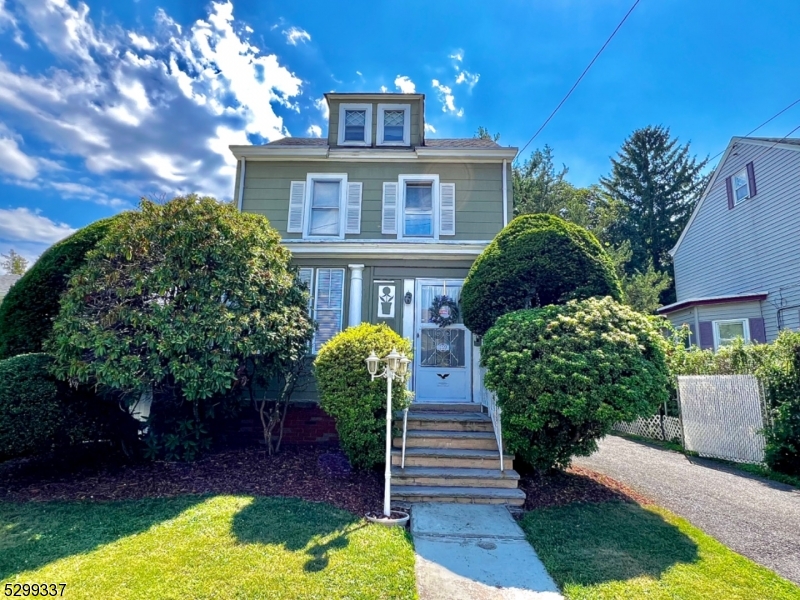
(585, 71)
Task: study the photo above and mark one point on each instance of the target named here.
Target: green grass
(624, 551)
(760, 470)
(204, 547)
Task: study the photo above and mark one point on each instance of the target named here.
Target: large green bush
(536, 260)
(347, 394)
(27, 312)
(564, 374)
(175, 303)
(777, 365)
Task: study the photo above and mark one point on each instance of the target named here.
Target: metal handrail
(496, 413)
(405, 428)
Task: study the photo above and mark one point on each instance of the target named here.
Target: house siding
(479, 186)
(750, 248)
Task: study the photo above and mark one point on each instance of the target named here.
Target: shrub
(536, 260)
(175, 303)
(347, 394)
(27, 312)
(565, 374)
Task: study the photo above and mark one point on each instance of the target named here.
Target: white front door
(442, 355)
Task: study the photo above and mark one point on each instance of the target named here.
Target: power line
(586, 70)
(772, 118)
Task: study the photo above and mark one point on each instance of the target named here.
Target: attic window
(394, 124)
(741, 187)
(355, 124)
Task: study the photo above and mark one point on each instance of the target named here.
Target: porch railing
(489, 400)
(403, 451)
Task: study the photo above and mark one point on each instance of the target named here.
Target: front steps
(452, 456)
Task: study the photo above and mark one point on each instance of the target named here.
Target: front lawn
(621, 550)
(225, 546)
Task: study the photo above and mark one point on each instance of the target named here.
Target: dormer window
(394, 124)
(355, 124)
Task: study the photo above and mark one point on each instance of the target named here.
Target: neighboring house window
(725, 332)
(741, 187)
(355, 124)
(394, 124)
(326, 302)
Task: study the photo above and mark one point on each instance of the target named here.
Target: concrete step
(437, 421)
(449, 477)
(445, 407)
(452, 457)
(470, 440)
(461, 495)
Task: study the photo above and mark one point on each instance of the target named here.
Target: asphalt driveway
(755, 517)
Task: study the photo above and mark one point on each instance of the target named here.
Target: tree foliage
(657, 182)
(565, 374)
(13, 263)
(27, 312)
(175, 301)
(534, 261)
(483, 134)
(347, 394)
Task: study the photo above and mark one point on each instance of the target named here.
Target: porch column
(356, 294)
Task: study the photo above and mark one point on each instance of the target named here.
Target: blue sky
(103, 102)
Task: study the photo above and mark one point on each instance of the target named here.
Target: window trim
(745, 327)
(743, 173)
(402, 180)
(367, 141)
(406, 108)
(310, 179)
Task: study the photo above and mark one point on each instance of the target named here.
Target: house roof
(6, 281)
(786, 143)
(429, 143)
(750, 297)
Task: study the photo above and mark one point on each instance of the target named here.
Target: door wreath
(444, 311)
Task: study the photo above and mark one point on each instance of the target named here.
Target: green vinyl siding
(479, 211)
(416, 121)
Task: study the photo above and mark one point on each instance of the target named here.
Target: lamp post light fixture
(396, 368)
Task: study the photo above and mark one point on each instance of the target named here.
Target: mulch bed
(314, 473)
(319, 474)
(576, 484)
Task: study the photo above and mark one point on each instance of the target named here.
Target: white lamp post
(396, 368)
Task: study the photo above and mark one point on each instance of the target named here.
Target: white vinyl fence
(655, 428)
(723, 416)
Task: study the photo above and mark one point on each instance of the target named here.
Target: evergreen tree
(14, 263)
(657, 182)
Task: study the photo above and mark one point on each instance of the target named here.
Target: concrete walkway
(753, 516)
(475, 552)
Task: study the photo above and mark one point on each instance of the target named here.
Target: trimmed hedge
(536, 260)
(347, 394)
(565, 374)
(27, 312)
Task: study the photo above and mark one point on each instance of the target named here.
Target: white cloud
(384, 89)
(458, 55)
(322, 106)
(404, 84)
(7, 19)
(151, 112)
(445, 94)
(14, 161)
(315, 131)
(23, 225)
(430, 128)
(295, 35)
(468, 78)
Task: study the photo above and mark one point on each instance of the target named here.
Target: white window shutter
(389, 220)
(353, 212)
(447, 209)
(297, 196)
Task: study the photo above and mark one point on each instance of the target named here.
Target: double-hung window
(418, 210)
(418, 207)
(725, 332)
(326, 302)
(355, 124)
(394, 124)
(325, 208)
(741, 186)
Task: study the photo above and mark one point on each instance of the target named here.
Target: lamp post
(396, 368)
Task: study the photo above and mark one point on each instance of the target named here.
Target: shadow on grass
(33, 534)
(588, 544)
(315, 528)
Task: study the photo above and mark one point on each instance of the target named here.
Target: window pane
(326, 194)
(429, 292)
(442, 348)
(419, 225)
(354, 123)
(393, 121)
(739, 180)
(729, 332)
(742, 193)
(419, 196)
(324, 221)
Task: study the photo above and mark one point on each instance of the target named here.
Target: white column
(356, 294)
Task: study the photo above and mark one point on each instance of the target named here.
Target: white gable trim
(731, 145)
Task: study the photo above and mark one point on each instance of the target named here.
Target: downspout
(241, 184)
(505, 193)
(697, 327)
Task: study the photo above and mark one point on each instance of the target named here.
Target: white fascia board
(387, 248)
(390, 97)
(782, 145)
(278, 153)
(498, 154)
